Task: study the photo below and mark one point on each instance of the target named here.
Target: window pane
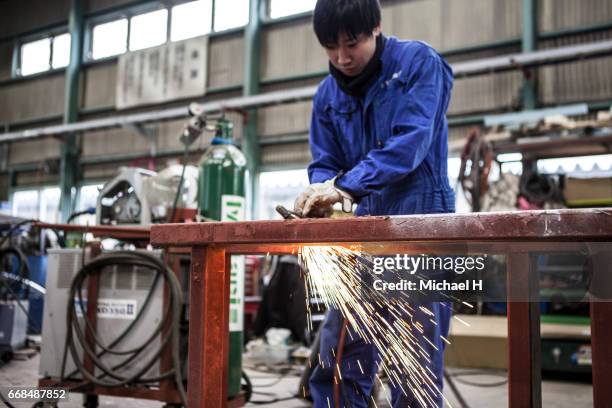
(35, 56)
(25, 204)
(88, 198)
(231, 14)
(191, 19)
(61, 51)
(148, 30)
(281, 8)
(279, 187)
(578, 164)
(49, 204)
(109, 38)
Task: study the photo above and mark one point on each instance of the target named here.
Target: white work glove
(318, 199)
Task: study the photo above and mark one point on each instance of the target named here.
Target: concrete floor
(555, 393)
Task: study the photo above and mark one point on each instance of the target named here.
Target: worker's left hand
(317, 200)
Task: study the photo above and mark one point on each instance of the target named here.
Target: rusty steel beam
(601, 341)
(422, 247)
(524, 366)
(559, 225)
(208, 328)
(601, 333)
(106, 231)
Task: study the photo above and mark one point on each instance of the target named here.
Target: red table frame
(212, 244)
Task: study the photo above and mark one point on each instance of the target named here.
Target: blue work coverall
(392, 145)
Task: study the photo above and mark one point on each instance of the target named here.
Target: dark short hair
(353, 17)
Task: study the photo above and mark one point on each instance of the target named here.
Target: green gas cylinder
(221, 197)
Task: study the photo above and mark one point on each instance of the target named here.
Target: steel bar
(601, 339)
(477, 67)
(524, 368)
(557, 225)
(243, 102)
(601, 335)
(422, 247)
(544, 146)
(111, 231)
(209, 328)
(517, 119)
(252, 55)
(533, 59)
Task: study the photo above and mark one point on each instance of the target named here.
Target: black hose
(126, 331)
(449, 380)
(13, 229)
(78, 214)
(23, 269)
(272, 401)
(171, 319)
(248, 387)
(21, 277)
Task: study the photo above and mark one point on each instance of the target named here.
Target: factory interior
(154, 251)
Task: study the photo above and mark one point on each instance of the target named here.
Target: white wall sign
(171, 71)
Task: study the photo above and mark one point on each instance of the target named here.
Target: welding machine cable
(338, 382)
(172, 336)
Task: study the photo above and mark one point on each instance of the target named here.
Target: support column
(524, 350)
(209, 327)
(529, 41)
(250, 141)
(70, 151)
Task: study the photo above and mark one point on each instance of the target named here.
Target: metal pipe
(252, 46)
(462, 69)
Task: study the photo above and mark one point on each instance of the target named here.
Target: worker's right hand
(317, 200)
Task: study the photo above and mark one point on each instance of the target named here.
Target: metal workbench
(514, 234)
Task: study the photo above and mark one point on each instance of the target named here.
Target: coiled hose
(168, 327)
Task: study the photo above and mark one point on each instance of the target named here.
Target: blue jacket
(392, 144)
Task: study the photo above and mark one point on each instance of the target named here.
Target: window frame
(21, 41)
(39, 190)
(178, 3)
(101, 17)
(136, 10)
(268, 19)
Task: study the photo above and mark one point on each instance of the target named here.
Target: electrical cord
(14, 228)
(21, 278)
(339, 384)
(123, 352)
(23, 268)
(272, 401)
(477, 373)
(248, 387)
(90, 211)
(270, 384)
(126, 331)
(249, 391)
(39, 289)
(171, 320)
